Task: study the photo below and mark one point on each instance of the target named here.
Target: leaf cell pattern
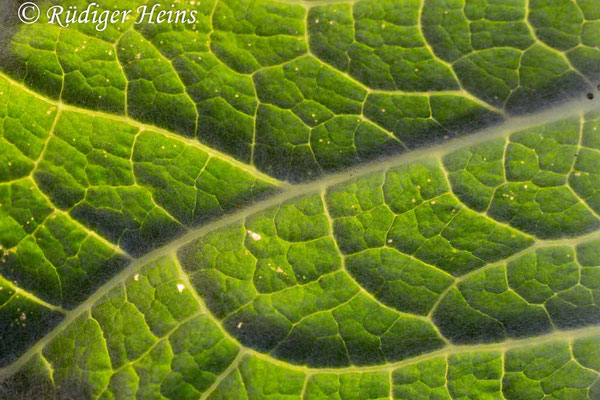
(395, 284)
(82, 193)
(299, 88)
(469, 273)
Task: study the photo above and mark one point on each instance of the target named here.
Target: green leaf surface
(302, 88)
(187, 211)
(379, 286)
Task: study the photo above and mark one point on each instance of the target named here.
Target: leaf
(80, 190)
(156, 241)
(364, 275)
(300, 89)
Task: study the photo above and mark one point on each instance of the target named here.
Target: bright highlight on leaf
(280, 201)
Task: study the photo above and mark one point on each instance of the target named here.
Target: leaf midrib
(291, 191)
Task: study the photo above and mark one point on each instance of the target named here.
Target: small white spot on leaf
(254, 235)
